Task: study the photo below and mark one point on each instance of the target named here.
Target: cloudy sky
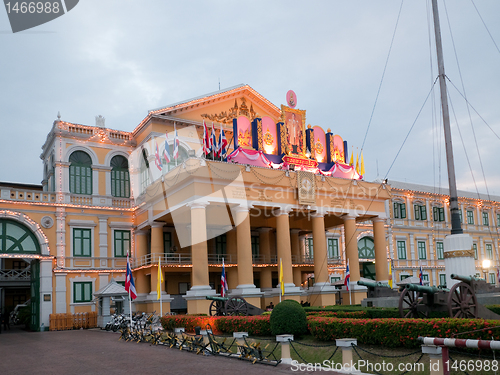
(120, 58)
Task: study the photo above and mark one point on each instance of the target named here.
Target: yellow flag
(362, 166)
(351, 163)
(282, 284)
(160, 279)
(357, 163)
(390, 274)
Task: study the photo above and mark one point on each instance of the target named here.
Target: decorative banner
(294, 120)
(269, 136)
(319, 144)
(338, 149)
(310, 163)
(291, 99)
(244, 132)
(306, 185)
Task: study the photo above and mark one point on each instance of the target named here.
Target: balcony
(16, 278)
(95, 263)
(15, 194)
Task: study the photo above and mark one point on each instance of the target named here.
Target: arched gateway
(22, 247)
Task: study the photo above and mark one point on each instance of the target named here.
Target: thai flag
(223, 281)
(166, 154)
(347, 279)
(421, 276)
(206, 140)
(176, 145)
(157, 157)
(213, 141)
(129, 282)
(222, 147)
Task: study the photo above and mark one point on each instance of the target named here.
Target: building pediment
(220, 107)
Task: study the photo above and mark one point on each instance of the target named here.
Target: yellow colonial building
(284, 194)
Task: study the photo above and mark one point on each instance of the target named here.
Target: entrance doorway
(366, 254)
(20, 271)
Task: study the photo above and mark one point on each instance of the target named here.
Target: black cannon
(226, 306)
(378, 289)
(417, 301)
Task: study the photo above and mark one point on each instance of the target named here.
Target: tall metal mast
(456, 226)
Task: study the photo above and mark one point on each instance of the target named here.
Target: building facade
(284, 202)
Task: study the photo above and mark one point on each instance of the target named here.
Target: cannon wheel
(236, 306)
(408, 304)
(216, 308)
(462, 302)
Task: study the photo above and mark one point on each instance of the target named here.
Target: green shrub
(288, 317)
(393, 333)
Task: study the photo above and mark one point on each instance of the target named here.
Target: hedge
(254, 325)
(398, 332)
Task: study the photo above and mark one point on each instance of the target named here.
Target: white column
(45, 288)
(103, 237)
(60, 293)
(60, 235)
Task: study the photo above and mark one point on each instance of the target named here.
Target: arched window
(183, 155)
(120, 178)
(15, 238)
(366, 248)
(80, 173)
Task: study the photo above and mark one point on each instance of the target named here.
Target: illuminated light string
(28, 256)
(66, 270)
(70, 205)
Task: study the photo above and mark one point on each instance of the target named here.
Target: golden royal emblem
(244, 139)
(318, 147)
(268, 138)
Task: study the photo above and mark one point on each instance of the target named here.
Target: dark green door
(35, 295)
(368, 270)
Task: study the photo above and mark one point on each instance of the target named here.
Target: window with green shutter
(440, 250)
(422, 253)
(399, 210)
(310, 254)
(255, 245)
(489, 251)
(420, 212)
(120, 178)
(442, 279)
(82, 245)
(220, 245)
(333, 248)
(486, 219)
(401, 249)
(474, 247)
(438, 213)
(82, 292)
(80, 173)
(122, 242)
(470, 217)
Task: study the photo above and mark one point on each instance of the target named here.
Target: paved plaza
(94, 351)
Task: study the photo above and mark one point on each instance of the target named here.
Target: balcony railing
(95, 263)
(166, 259)
(27, 195)
(416, 263)
(307, 260)
(16, 275)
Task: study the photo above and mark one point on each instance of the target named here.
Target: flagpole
(159, 272)
(175, 142)
(129, 297)
(220, 136)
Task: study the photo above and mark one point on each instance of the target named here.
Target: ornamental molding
(459, 254)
